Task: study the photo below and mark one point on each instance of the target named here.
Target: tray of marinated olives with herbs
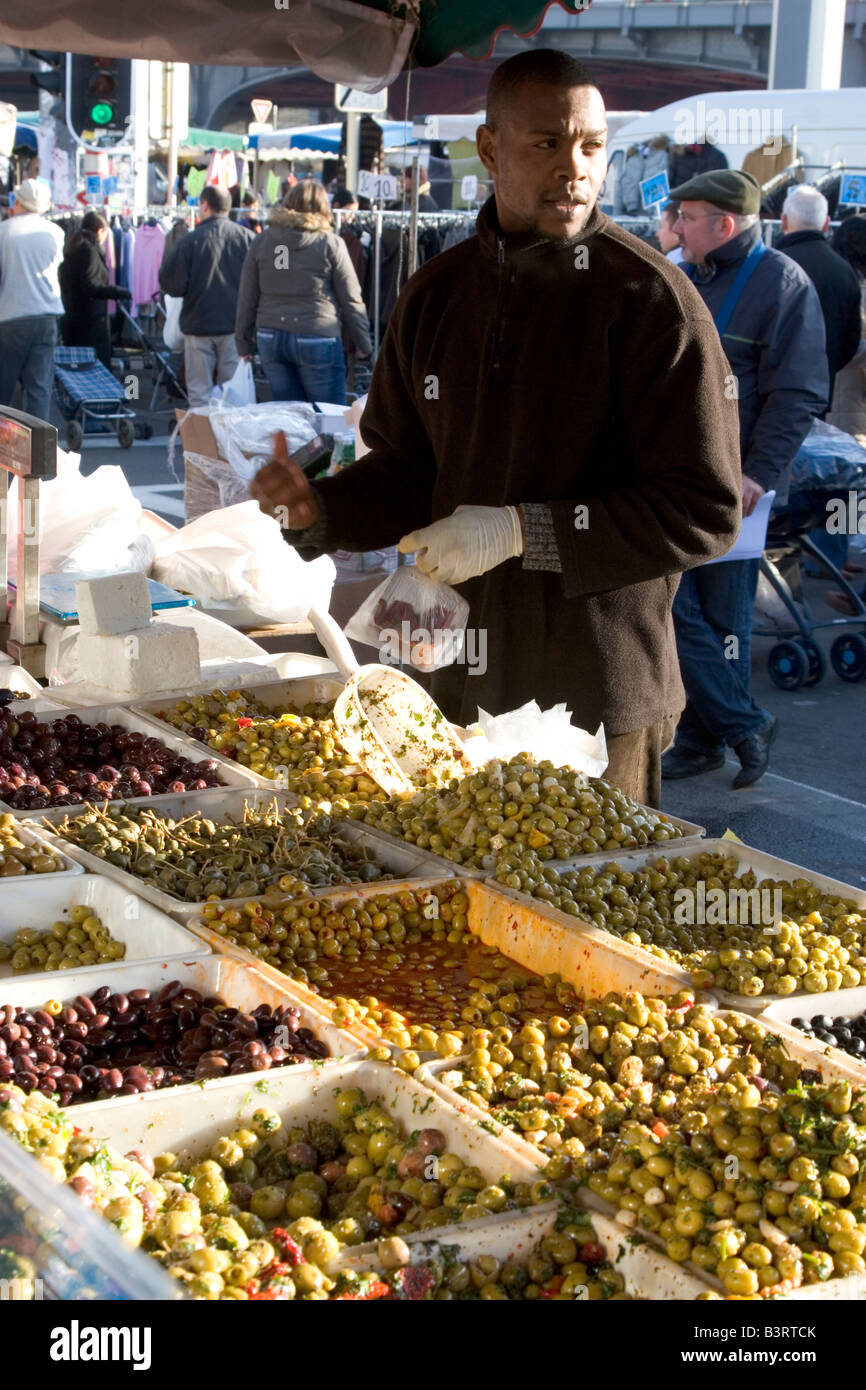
(233, 847)
(25, 853)
(419, 967)
(521, 813)
(745, 924)
(277, 730)
(58, 925)
(155, 1024)
(556, 1251)
(336, 1156)
(102, 754)
(640, 1105)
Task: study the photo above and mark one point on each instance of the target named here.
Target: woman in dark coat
(85, 287)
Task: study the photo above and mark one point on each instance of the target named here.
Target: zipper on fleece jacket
(499, 322)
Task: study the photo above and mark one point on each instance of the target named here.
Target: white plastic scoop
(387, 722)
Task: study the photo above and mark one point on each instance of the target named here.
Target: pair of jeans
(204, 356)
(27, 355)
(302, 369)
(714, 605)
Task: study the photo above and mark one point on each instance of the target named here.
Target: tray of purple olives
(103, 754)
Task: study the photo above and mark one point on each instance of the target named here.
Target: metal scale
(28, 450)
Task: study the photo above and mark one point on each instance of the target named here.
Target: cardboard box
(201, 492)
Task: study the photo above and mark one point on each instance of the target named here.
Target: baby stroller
(87, 393)
(782, 610)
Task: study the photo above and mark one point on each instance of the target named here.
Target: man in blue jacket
(770, 323)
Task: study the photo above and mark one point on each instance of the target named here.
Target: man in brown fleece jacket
(563, 385)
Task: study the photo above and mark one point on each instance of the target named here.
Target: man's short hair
(249, 199)
(215, 198)
(672, 209)
(806, 208)
(539, 67)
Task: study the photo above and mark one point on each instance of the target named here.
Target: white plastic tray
(300, 691)
(34, 835)
(147, 933)
(839, 1003)
(237, 985)
(403, 860)
(513, 1235)
(764, 865)
(189, 1124)
(528, 937)
(232, 775)
(833, 1068)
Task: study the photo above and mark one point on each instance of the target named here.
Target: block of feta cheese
(113, 603)
(147, 660)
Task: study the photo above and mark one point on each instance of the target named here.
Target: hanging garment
(147, 258)
(272, 188)
(195, 182)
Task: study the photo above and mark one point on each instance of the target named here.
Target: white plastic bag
(240, 389)
(546, 734)
(412, 619)
(237, 557)
(88, 525)
(171, 334)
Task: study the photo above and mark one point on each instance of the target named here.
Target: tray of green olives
(749, 926)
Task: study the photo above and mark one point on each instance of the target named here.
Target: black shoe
(754, 755)
(680, 762)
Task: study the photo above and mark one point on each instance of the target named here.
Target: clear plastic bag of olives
(412, 620)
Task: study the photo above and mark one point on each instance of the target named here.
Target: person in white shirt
(31, 249)
(668, 240)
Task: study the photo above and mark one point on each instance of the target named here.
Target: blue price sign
(93, 185)
(853, 190)
(655, 190)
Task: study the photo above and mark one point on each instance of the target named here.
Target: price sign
(377, 187)
(853, 190)
(469, 188)
(351, 99)
(655, 190)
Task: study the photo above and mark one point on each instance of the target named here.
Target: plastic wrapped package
(828, 459)
(244, 434)
(236, 557)
(413, 620)
(89, 525)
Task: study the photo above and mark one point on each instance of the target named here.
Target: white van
(823, 127)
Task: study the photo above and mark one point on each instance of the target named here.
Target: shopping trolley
(782, 610)
(88, 395)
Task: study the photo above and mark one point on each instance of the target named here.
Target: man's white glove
(471, 541)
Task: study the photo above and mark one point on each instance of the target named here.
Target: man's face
(548, 160)
(701, 228)
(668, 238)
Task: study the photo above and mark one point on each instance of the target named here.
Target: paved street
(810, 809)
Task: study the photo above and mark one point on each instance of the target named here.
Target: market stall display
(658, 1098)
(55, 924)
(743, 923)
(421, 967)
(506, 816)
(68, 760)
(24, 852)
(122, 1043)
(240, 846)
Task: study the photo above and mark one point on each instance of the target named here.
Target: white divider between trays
(528, 937)
(513, 1236)
(29, 834)
(302, 690)
(401, 859)
(839, 1003)
(147, 933)
(231, 773)
(238, 984)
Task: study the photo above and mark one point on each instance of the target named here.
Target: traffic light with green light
(98, 95)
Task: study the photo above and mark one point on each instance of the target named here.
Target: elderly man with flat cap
(769, 320)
